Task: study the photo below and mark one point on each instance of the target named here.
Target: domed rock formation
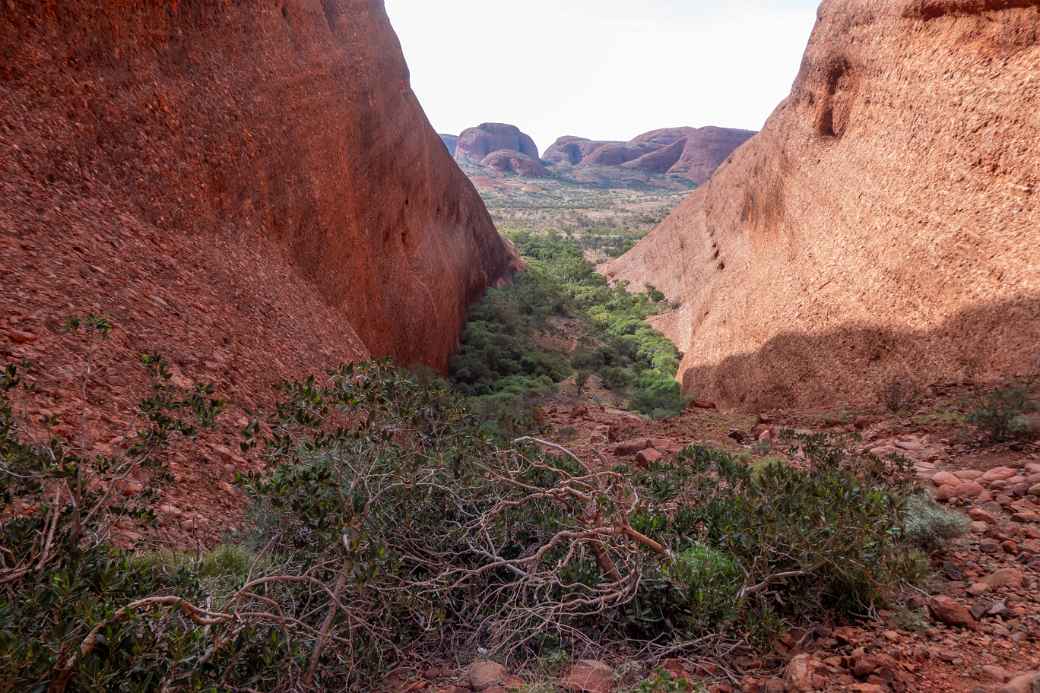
(659, 160)
(476, 143)
(516, 163)
(570, 150)
(206, 175)
(882, 227)
(706, 149)
(692, 153)
(610, 154)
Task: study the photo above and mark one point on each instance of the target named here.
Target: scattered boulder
(1005, 577)
(801, 673)
(980, 515)
(995, 673)
(998, 474)
(1023, 683)
(960, 491)
(647, 457)
(630, 447)
(949, 611)
(589, 676)
(484, 674)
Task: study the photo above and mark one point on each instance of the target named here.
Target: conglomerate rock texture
(270, 157)
(882, 227)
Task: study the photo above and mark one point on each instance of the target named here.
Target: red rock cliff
(884, 224)
(256, 178)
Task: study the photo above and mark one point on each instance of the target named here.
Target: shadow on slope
(853, 364)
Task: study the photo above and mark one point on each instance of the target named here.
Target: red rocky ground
(976, 626)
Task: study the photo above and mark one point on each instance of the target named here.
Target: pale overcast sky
(603, 69)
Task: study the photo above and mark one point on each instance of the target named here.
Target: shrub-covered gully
(504, 363)
(395, 526)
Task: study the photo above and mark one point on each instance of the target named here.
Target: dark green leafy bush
(929, 525)
(828, 537)
(393, 524)
(1001, 414)
(500, 351)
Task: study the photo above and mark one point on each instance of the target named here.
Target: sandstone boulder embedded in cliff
(883, 225)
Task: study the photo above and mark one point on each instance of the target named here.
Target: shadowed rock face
(476, 143)
(268, 162)
(882, 226)
(692, 153)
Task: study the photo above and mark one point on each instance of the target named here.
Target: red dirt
(887, 652)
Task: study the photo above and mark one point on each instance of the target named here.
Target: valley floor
(559, 354)
(975, 624)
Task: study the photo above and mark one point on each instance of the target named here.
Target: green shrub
(662, 681)
(500, 339)
(710, 583)
(414, 530)
(657, 396)
(1000, 413)
(824, 538)
(67, 596)
(929, 525)
(655, 295)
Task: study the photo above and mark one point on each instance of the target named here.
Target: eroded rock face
(570, 150)
(514, 162)
(882, 226)
(476, 143)
(264, 166)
